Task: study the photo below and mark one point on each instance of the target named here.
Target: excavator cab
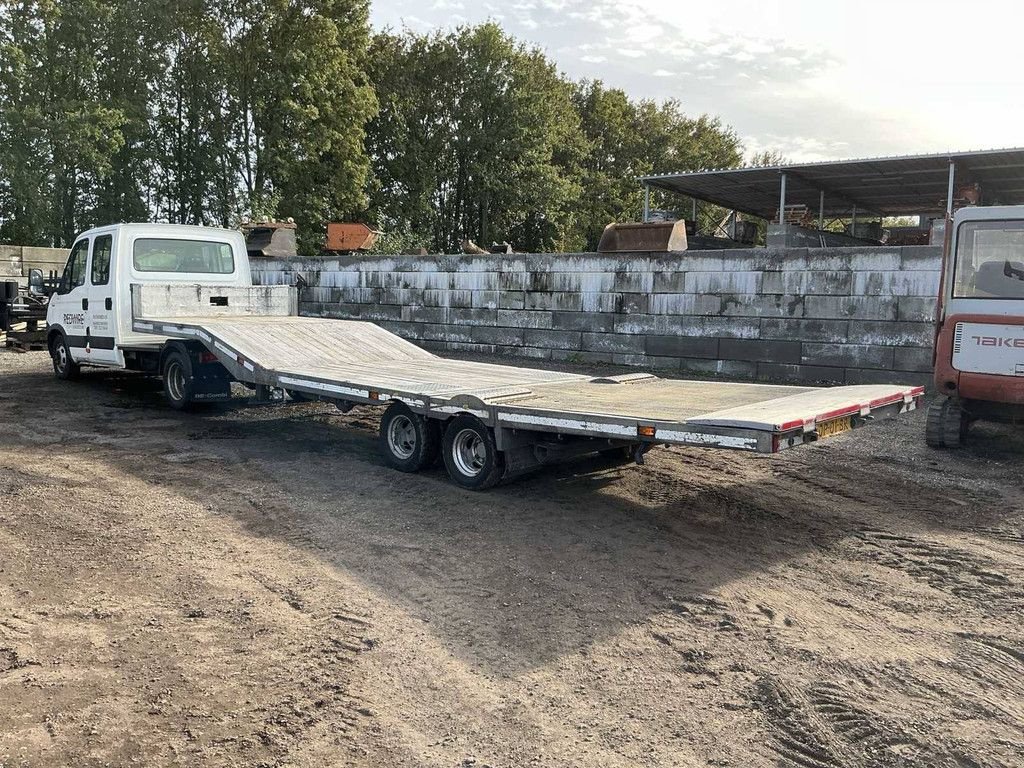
(979, 344)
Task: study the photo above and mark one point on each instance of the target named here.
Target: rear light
(643, 431)
(207, 357)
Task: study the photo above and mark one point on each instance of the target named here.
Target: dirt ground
(252, 586)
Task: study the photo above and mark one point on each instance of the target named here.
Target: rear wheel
(946, 425)
(470, 454)
(177, 373)
(63, 365)
(409, 441)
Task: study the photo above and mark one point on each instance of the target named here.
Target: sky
(820, 80)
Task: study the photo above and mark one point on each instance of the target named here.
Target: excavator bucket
(650, 236)
(343, 236)
(273, 239)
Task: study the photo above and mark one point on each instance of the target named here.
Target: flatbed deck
(360, 362)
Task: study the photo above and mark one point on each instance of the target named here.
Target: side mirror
(35, 282)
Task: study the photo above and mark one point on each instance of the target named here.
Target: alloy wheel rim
(469, 452)
(402, 437)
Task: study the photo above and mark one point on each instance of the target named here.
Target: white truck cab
(89, 316)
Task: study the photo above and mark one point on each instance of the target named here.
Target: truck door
(100, 329)
(68, 304)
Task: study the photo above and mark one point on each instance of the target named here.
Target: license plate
(834, 427)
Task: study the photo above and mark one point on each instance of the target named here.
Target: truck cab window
(74, 270)
(196, 256)
(989, 260)
(101, 259)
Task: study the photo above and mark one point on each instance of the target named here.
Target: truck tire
(408, 441)
(64, 367)
(470, 454)
(177, 376)
(946, 424)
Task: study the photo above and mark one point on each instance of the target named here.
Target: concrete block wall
(851, 315)
(17, 260)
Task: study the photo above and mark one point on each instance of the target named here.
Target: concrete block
(874, 259)
(540, 282)
(637, 361)
(341, 311)
(582, 282)
(594, 322)
(381, 312)
(681, 346)
(917, 309)
(809, 283)
(569, 302)
(639, 324)
(633, 282)
(926, 258)
(771, 259)
(724, 327)
(684, 304)
(599, 302)
(424, 314)
(442, 332)
(535, 337)
(523, 318)
(474, 281)
(887, 333)
(525, 353)
(846, 355)
(460, 298)
(473, 316)
(615, 343)
(690, 261)
(760, 350)
(723, 282)
(485, 299)
(513, 281)
(804, 330)
(632, 303)
(476, 349)
(511, 300)
(869, 376)
(913, 359)
(766, 305)
(851, 307)
(581, 357)
(432, 297)
(801, 374)
(733, 369)
(669, 282)
(896, 283)
(485, 334)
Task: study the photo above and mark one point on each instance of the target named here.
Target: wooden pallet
(26, 341)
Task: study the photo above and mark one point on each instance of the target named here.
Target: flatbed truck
(178, 302)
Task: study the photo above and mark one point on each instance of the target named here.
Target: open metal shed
(881, 186)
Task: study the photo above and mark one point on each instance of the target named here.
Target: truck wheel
(946, 425)
(470, 454)
(178, 380)
(409, 441)
(63, 365)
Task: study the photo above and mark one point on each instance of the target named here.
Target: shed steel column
(782, 201)
(821, 209)
(949, 189)
(647, 202)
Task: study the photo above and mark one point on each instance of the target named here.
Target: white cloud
(663, 73)
(591, 59)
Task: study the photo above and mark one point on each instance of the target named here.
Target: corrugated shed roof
(901, 185)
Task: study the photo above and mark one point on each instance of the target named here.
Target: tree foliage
(206, 111)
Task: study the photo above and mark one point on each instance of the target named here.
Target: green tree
(476, 138)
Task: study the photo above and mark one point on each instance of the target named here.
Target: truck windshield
(167, 255)
(989, 260)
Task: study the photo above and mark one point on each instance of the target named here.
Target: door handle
(85, 303)
(108, 303)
